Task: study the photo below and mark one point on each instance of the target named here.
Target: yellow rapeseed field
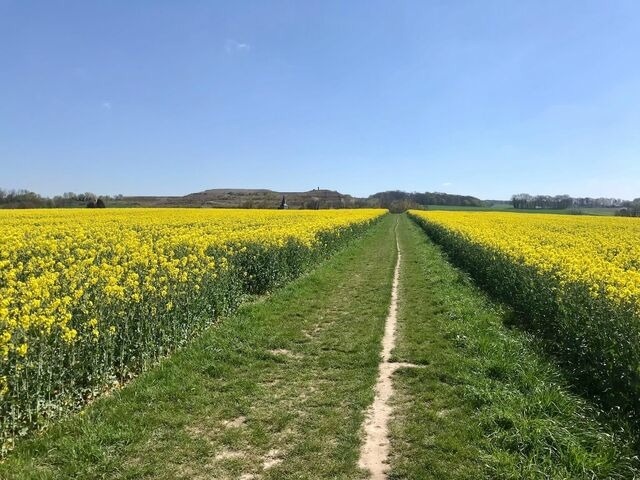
(573, 279)
(601, 252)
(89, 296)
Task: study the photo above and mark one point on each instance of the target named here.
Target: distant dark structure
(283, 204)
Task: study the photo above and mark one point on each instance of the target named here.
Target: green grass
(285, 381)
(488, 404)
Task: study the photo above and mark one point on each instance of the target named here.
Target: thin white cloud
(233, 46)
(106, 105)
(447, 184)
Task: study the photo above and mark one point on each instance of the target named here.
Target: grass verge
(487, 404)
(277, 391)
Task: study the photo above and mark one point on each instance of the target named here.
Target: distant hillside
(260, 198)
(248, 198)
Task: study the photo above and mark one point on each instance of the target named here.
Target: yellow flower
(4, 386)
(70, 335)
(22, 349)
(5, 337)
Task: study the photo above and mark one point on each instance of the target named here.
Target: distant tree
(634, 209)
(391, 198)
(100, 203)
(560, 202)
(522, 200)
(22, 199)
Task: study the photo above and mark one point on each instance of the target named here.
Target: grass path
(278, 391)
(374, 451)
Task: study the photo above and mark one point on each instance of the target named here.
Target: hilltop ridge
(248, 198)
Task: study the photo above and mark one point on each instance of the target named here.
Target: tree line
(29, 199)
(396, 200)
(560, 202)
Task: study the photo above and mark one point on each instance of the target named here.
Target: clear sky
(487, 98)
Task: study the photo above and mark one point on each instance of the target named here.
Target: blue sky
(487, 98)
